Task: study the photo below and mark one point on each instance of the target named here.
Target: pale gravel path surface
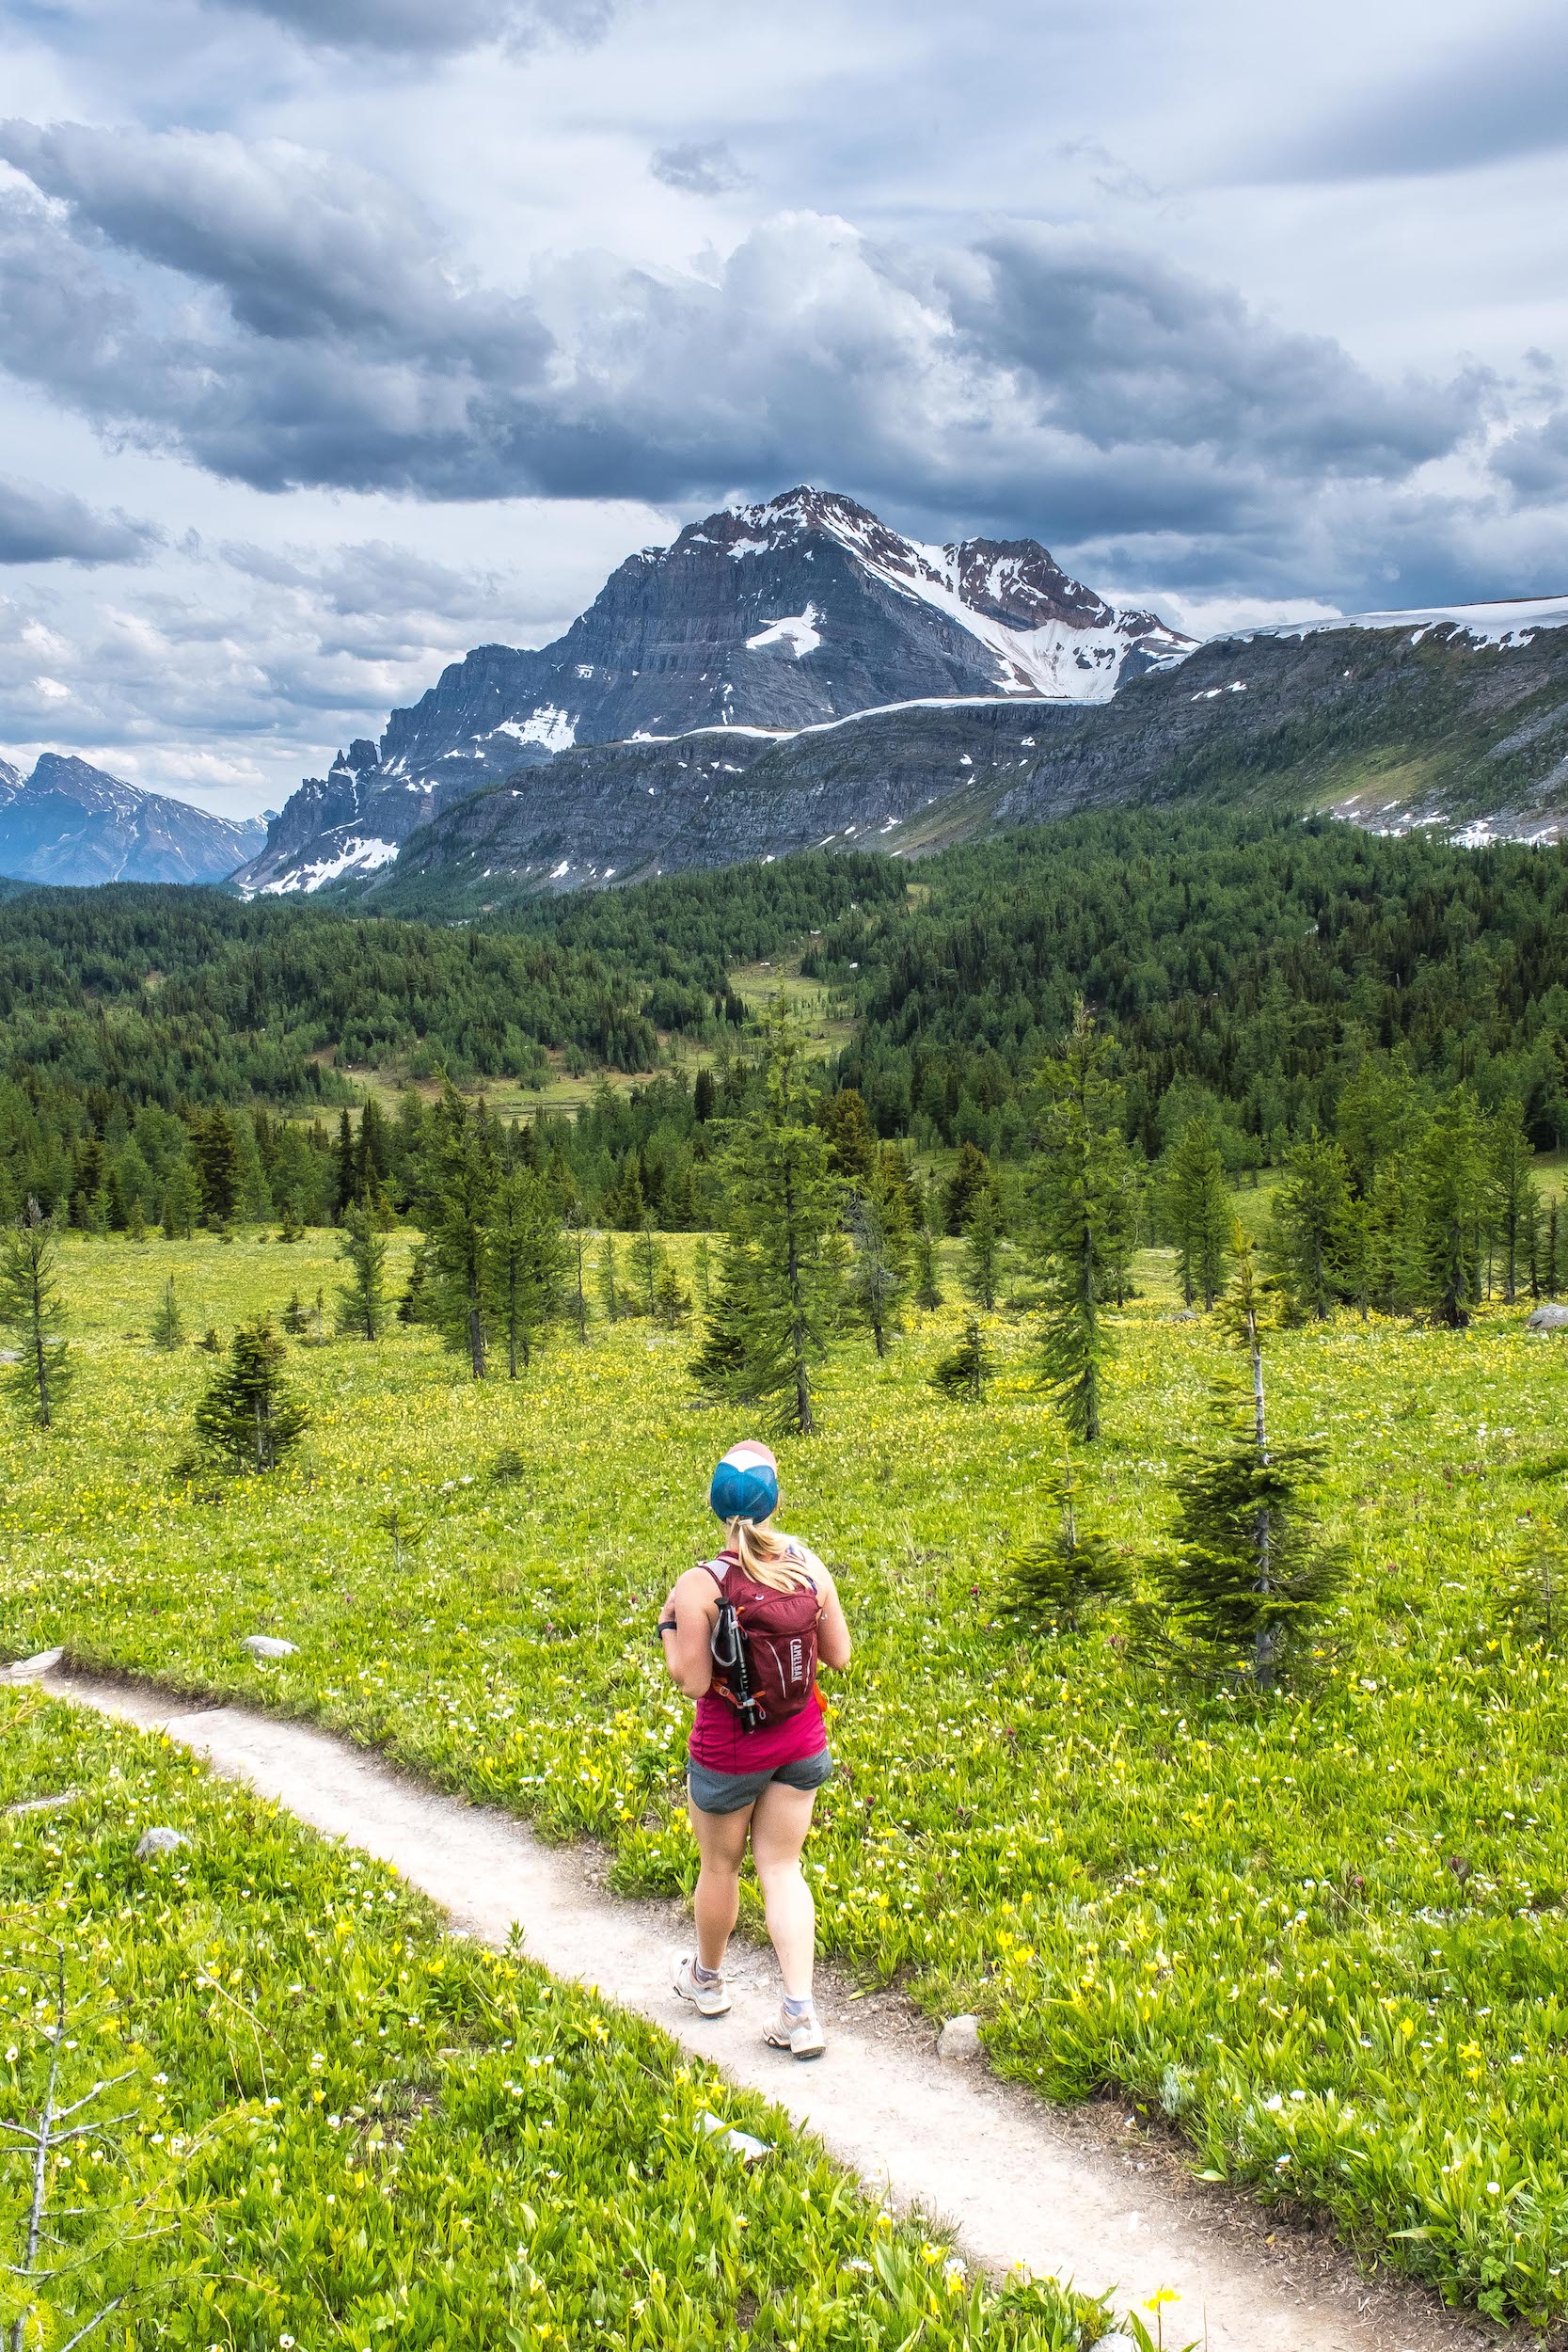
(992, 2161)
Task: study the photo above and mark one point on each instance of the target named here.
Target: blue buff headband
(744, 1493)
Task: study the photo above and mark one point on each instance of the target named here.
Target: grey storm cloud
(701, 166)
(1032, 373)
(417, 28)
(48, 526)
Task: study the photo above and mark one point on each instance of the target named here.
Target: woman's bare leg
(780, 1819)
(722, 1842)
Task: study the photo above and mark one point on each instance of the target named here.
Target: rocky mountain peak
(71, 822)
(796, 612)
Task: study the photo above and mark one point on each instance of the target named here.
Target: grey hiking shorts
(731, 1792)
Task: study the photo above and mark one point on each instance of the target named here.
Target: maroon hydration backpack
(764, 1645)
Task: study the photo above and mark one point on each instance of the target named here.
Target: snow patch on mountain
(798, 630)
(1508, 621)
(356, 856)
(546, 725)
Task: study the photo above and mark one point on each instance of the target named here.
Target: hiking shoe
(799, 2032)
(709, 2000)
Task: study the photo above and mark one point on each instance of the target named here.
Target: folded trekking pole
(728, 1645)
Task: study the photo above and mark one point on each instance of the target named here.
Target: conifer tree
(785, 1205)
(182, 1203)
(1513, 1196)
(1310, 1213)
(292, 1226)
(1394, 1211)
(1451, 1188)
(879, 1269)
(982, 1251)
(346, 1185)
(645, 1259)
(576, 1275)
(1083, 1235)
(457, 1233)
(967, 1369)
(219, 1174)
(672, 1300)
(362, 1298)
(927, 1283)
(135, 1221)
(1356, 1254)
(1053, 1580)
(249, 1419)
(719, 1367)
(32, 1312)
(702, 1267)
(293, 1318)
(1196, 1211)
(168, 1330)
(525, 1266)
(852, 1148)
(971, 1175)
(1245, 1577)
(609, 1280)
(414, 1306)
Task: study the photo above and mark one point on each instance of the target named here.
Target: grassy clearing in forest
(341, 2125)
(1325, 1936)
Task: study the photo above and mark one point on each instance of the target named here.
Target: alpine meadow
(784, 1177)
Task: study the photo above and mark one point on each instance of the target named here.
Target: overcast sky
(337, 336)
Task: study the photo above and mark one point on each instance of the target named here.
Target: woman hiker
(743, 1635)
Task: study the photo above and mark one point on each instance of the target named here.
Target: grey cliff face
(1286, 718)
(72, 823)
(776, 617)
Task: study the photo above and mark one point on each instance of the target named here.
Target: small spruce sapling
(969, 1369)
(671, 1300)
(1052, 1580)
(249, 1419)
(1247, 1577)
(402, 1532)
(168, 1330)
(1534, 1597)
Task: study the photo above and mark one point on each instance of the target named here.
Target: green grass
(1327, 1937)
(760, 986)
(342, 2126)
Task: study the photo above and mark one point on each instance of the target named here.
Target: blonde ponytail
(766, 1555)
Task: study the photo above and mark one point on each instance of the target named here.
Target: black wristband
(668, 1624)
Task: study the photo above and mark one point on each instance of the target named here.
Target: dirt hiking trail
(1014, 2181)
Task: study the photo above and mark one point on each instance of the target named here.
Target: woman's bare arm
(832, 1632)
(694, 1604)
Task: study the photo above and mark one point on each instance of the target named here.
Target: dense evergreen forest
(1246, 967)
(1251, 970)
